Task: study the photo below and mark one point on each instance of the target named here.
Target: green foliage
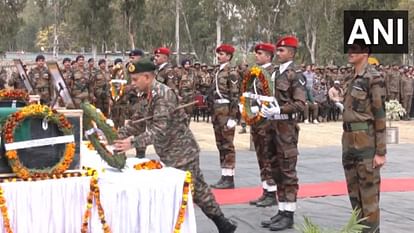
(354, 225)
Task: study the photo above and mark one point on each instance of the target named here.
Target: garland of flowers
(94, 193)
(4, 212)
(92, 114)
(52, 116)
(186, 191)
(267, 87)
(14, 95)
(149, 165)
(115, 96)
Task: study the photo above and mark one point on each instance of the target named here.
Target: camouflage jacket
(393, 79)
(101, 84)
(290, 90)
(82, 85)
(407, 86)
(173, 141)
(187, 86)
(16, 82)
(67, 76)
(364, 102)
(42, 83)
(225, 85)
(166, 75)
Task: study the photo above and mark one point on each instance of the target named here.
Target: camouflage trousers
(406, 103)
(363, 181)
(103, 105)
(394, 96)
(203, 197)
(281, 143)
(258, 133)
(119, 114)
(224, 136)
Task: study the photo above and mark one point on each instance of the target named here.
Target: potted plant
(394, 111)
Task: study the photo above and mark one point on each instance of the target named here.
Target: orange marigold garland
(186, 191)
(4, 212)
(266, 88)
(150, 165)
(42, 112)
(94, 194)
(14, 95)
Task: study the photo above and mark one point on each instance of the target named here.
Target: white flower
(110, 122)
(98, 110)
(394, 110)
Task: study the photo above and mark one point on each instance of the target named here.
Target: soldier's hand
(379, 161)
(123, 145)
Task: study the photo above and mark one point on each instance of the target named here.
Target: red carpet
(336, 188)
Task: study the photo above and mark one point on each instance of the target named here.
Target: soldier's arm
(91, 86)
(164, 106)
(298, 94)
(233, 83)
(377, 98)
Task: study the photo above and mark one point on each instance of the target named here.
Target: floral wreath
(17, 94)
(255, 73)
(115, 94)
(52, 116)
(94, 122)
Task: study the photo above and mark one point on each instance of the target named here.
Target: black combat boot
(140, 152)
(284, 223)
(273, 219)
(219, 182)
(228, 183)
(225, 225)
(268, 200)
(254, 202)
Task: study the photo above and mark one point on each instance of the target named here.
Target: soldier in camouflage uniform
(172, 139)
(264, 56)
(101, 88)
(204, 82)
(407, 89)
(67, 71)
(165, 72)
(15, 81)
(119, 103)
(186, 88)
(282, 134)
(3, 78)
(42, 82)
(364, 137)
(392, 80)
(225, 98)
(91, 67)
(137, 104)
(82, 84)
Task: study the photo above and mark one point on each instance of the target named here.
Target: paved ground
(319, 161)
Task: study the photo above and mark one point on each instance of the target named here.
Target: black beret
(143, 65)
(136, 52)
(40, 57)
(118, 60)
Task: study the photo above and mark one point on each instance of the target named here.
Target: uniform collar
(223, 65)
(162, 65)
(362, 72)
(266, 65)
(284, 66)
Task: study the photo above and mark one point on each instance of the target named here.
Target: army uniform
(204, 82)
(119, 110)
(225, 97)
(16, 82)
(67, 76)
(101, 91)
(187, 90)
(392, 81)
(165, 72)
(42, 82)
(3, 78)
(175, 144)
(363, 137)
(282, 138)
(258, 132)
(82, 87)
(407, 89)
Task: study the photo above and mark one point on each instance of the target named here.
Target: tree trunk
(189, 35)
(218, 26)
(131, 33)
(177, 30)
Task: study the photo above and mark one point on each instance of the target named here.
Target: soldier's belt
(355, 126)
(258, 97)
(281, 117)
(222, 101)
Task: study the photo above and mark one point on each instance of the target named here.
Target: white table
(133, 201)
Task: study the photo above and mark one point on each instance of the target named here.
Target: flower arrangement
(41, 112)
(186, 191)
(94, 194)
(150, 165)
(14, 95)
(4, 212)
(255, 73)
(91, 116)
(394, 111)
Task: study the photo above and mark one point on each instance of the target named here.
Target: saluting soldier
(264, 56)
(364, 137)
(225, 97)
(173, 141)
(40, 77)
(283, 132)
(165, 72)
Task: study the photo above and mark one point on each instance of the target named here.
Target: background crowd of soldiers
(92, 82)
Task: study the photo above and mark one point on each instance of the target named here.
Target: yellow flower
(255, 71)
